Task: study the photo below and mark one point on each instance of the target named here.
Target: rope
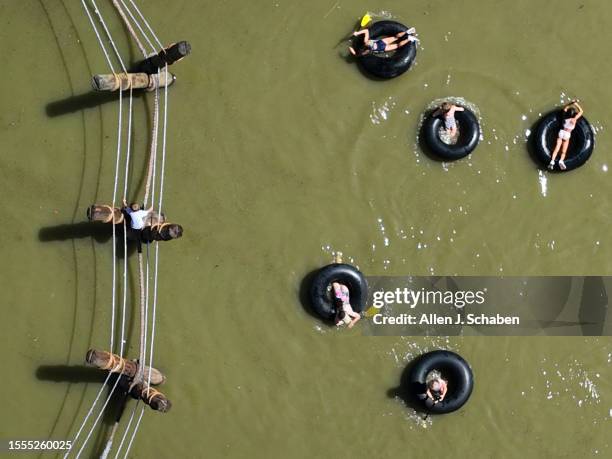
(139, 372)
(114, 237)
(161, 195)
(134, 433)
(142, 363)
(98, 35)
(147, 24)
(129, 144)
(161, 186)
(124, 306)
(154, 312)
(110, 38)
(111, 216)
(150, 393)
(119, 132)
(156, 137)
(129, 27)
(114, 305)
(118, 364)
(109, 443)
(141, 31)
(127, 429)
(115, 364)
(88, 414)
(153, 150)
(99, 415)
(160, 226)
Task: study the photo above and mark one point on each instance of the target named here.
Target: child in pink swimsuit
(350, 317)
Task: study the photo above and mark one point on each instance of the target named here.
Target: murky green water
(280, 153)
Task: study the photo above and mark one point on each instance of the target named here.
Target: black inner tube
(581, 143)
(321, 295)
(386, 65)
(469, 135)
(454, 369)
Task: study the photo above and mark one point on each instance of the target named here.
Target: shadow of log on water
(70, 373)
(100, 232)
(90, 99)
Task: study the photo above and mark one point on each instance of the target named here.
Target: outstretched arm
(365, 33)
(580, 111)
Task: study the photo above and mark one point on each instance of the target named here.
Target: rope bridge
(131, 377)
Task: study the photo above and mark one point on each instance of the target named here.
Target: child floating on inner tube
(345, 313)
(572, 113)
(447, 112)
(381, 45)
(436, 388)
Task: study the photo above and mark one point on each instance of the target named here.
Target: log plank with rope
(125, 81)
(105, 360)
(150, 396)
(104, 214)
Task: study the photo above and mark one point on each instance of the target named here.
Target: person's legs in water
(403, 42)
(391, 40)
(354, 317)
(394, 46)
(564, 148)
(555, 153)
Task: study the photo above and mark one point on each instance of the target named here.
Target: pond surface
(280, 153)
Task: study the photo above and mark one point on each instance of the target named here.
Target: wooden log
(104, 214)
(123, 81)
(164, 232)
(152, 397)
(115, 364)
(169, 55)
(160, 80)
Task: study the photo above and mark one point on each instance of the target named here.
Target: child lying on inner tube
(572, 112)
(381, 45)
(344, 310)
